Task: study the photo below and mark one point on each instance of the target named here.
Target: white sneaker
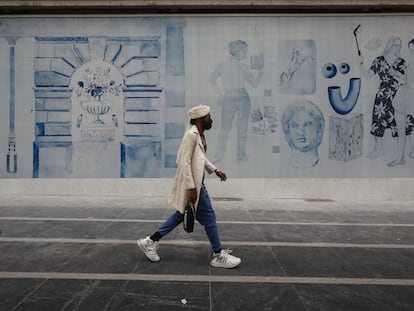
(149, 247)
(225, 260)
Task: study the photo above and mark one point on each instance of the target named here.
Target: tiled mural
(290, 96)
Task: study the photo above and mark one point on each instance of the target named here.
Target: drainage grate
(227, 199)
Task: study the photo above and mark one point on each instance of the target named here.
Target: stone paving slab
(80, 254)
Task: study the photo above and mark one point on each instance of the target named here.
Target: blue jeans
(236, 101)
(205, 216)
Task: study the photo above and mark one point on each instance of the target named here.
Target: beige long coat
(192, 162)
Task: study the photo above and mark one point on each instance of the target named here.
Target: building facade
(305, 102)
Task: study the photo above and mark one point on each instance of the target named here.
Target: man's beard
(207, 124)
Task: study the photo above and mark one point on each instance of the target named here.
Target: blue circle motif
(344, 68)
(329, 70)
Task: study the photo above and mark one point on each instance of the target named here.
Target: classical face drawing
(303, 125)
(302, 131)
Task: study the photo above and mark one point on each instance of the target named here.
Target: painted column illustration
(175, 95)
(11, 154)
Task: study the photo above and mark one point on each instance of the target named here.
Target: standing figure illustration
(390, 68)
(233, 97)
(303, 125)
(404, 110)
(409, 106)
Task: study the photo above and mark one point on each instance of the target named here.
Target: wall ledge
(209, 6)
(336, 189)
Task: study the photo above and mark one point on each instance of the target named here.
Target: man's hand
(221, 174)
(192, 195)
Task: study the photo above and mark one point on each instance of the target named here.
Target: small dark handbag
(189, 216)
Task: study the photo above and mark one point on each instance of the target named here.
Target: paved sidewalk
(80, 253)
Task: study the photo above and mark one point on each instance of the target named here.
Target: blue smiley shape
(329, 70)
(344, 68)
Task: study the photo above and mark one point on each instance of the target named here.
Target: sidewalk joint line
(200, 243)
(234, 222)
(207, 278)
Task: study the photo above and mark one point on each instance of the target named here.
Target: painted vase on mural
(97, 107)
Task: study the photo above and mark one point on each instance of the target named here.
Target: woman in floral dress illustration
(404, 110)
(390, 68)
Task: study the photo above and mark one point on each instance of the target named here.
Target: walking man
(189, 186)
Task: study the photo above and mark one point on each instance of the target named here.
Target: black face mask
(207, 124)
